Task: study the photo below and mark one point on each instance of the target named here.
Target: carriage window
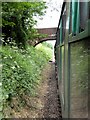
(58, 37)
(70, 18)
(89, 10)
(75, 17)
(63, 26)
(61, 32)
(83, 15)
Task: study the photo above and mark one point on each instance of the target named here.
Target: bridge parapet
(51, 34)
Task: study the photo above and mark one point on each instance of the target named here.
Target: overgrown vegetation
(18, 21)
(21, 71)
(21, 64)
(48, 45)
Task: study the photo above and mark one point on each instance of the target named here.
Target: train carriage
(72, 58)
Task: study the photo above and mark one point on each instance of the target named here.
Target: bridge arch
(51, 32)
(43, 40)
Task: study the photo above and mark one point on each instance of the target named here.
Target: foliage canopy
(18, 21)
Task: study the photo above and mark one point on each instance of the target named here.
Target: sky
(51, 18)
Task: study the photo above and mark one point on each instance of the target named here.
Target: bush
(48, 45)
(21, 71)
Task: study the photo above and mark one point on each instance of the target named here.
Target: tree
(18, 21)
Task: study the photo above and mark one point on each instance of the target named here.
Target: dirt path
(45, 104)
(48, 94)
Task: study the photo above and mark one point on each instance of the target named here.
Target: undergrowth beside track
(21, 73)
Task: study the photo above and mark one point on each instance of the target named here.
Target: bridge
(51, 34)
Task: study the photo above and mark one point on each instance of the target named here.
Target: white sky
(51, 18)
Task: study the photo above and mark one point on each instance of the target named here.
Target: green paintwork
(68, 53)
